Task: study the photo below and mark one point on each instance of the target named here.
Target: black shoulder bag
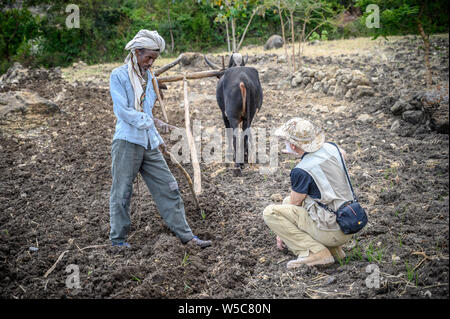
(350, 216)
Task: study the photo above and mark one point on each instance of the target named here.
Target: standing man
(302, 223)
(136, 142)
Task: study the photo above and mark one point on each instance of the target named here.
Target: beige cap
(302, 133)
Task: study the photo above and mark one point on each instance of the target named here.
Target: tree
(291, 5)
(313, 14)
(231, 10)
(259, 9)
(410, 17)
(223, 19)
(170, 25)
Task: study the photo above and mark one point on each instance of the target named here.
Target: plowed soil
(54, 196)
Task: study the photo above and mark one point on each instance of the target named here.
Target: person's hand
(164, 127)
(280, 244)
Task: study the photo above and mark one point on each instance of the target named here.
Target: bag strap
(345, 170)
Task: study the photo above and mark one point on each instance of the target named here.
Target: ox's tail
(244, 100)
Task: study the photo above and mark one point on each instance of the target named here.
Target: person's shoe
(123, 244)
(337, 252)
(200, 243)
(322, 258)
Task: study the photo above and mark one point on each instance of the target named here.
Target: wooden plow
(196, 185)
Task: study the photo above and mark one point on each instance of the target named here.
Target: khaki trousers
(298, 231)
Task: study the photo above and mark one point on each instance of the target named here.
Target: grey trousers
(127, 160)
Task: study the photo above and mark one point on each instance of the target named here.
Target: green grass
(202, 212)
(411, 274)
(185, 259)
(186, 286)
(374, 254)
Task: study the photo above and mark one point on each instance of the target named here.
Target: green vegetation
(185, 261)
(36, 34)
(411, 274)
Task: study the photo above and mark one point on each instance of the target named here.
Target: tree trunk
(293, 40)
(233, 33)
(245, 30)
(170, 27)
(228, 35)
(282, 32)
(300, 44)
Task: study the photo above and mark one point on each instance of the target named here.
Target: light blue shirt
(133, 126)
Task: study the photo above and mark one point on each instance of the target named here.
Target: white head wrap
(144, 39)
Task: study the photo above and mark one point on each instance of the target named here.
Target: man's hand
(280, 244)
(164, 127)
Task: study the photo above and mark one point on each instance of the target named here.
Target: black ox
(239, 95)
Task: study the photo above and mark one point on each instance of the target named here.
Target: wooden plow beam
(196, 188)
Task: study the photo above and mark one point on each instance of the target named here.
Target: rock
(320, 75)
(414, 117)
(359, 78)
(340, 91)
(363, 90)
(436, 103)
(346, 78)
(276, 197)
(332, 81)
(17, 74)
(308, 72)
(297, 79)
(317, 86)
(283, 84)
(314, 42)
(14, 75)
(306, 80)
(395, 126)
(194, 59)
(365, 118)
(349, 94)
(25, 101)
(398, 107)
(330, 280)
(282, 59)
(275, 41)
(331, 90)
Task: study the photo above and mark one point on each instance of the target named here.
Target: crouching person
(304, 222)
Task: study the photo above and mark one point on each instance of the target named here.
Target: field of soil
(55, 183)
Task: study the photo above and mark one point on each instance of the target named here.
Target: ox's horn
(212, 65)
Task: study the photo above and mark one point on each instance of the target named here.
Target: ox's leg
(247, 135)
(237, 167)
(228, 132)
